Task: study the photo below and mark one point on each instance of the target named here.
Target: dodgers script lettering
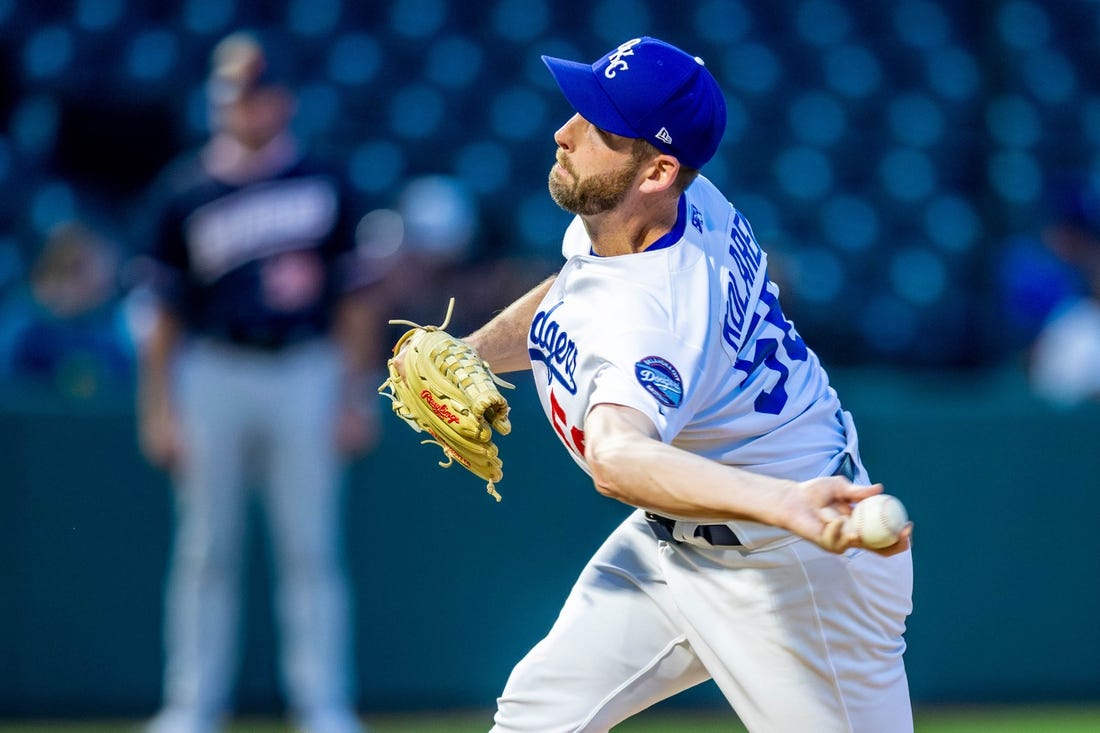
(551, 345)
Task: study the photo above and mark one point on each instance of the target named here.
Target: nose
(564, 135)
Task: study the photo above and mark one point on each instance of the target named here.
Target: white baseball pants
(797, 639)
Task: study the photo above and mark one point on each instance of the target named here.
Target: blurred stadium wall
(452, 588)
(891, 156)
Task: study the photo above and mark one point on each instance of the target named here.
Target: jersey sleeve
(651, 372)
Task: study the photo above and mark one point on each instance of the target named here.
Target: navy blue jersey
(259, 264)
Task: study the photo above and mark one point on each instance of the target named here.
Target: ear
(660, 174)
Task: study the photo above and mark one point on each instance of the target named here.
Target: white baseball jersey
(690, 333)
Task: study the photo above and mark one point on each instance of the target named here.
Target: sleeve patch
(658, 377)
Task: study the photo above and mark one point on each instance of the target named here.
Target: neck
(631, 229)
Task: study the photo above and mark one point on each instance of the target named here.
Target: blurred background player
(254, 371)
(1065, 358)
(66, 330)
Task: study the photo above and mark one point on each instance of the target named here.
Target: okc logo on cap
(615, 58)
(646, 88)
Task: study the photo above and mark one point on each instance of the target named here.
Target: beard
(594, 194)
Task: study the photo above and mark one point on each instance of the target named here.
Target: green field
(946, 720)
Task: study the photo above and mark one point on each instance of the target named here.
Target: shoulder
(323, 171)
(183, 174)
(711, 221)
(705, 200)
(173, 193)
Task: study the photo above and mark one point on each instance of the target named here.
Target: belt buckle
(718, 535)
(661, 527)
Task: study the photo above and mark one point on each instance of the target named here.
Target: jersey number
(575, 441)
(767, 354)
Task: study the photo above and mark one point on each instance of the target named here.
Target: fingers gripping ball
(879, 519)
(446, 389)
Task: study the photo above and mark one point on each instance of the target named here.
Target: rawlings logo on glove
(445, 389)
(440, 411)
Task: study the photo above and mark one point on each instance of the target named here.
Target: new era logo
(663, 136)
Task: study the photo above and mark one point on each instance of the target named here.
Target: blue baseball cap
(649, 89)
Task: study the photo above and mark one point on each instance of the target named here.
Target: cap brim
(582, 89)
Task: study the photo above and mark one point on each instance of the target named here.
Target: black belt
(720, 535)
(263, 340)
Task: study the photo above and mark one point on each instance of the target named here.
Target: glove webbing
(458, 364)
(455, 360)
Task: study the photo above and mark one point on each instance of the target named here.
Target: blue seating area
(883, 151)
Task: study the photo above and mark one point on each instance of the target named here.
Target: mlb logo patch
(658, 377)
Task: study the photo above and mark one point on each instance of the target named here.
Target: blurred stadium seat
(884, 152)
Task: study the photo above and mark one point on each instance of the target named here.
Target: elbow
(606, 462)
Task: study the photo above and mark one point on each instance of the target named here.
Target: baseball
(879, 519)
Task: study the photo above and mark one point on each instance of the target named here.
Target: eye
(611, 140)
